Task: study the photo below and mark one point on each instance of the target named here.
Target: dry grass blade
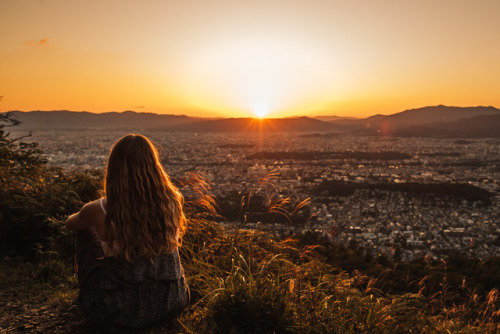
(268, 178)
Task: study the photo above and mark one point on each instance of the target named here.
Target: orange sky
(231, 57)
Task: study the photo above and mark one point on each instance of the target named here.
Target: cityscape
(373, 208)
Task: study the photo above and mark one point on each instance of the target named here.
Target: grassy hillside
(247, 282)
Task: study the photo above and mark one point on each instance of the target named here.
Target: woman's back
(129, 269)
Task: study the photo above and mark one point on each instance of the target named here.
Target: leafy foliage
(34, 197)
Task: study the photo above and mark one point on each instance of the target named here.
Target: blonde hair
(144, 208)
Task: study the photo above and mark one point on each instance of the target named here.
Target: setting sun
(260, 110)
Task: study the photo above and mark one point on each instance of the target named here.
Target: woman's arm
(82, 219)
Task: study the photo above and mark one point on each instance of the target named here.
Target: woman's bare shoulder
(92, 209)
(90, 214)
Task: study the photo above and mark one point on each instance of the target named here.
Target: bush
(35, 198)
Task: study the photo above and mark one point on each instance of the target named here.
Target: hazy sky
(230, 57)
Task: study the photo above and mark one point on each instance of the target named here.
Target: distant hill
(437, 121)
(434, 114)
(483, 126)
(64, 119)
(389, 124)
(334, 118)
(293, 124)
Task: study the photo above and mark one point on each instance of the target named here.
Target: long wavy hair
(144, 209)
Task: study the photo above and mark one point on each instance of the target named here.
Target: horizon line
(245, 117)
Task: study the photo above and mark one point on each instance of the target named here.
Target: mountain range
(436, 121)
(64, 119)
(291, 124)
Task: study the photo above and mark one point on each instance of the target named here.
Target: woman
(129, 271)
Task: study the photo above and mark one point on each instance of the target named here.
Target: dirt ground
(28, 306)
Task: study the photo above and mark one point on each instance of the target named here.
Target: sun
(260, 110)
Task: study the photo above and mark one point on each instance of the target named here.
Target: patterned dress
(123, 297)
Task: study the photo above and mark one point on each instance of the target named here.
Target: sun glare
(260, 110)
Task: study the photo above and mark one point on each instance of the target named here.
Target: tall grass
(249, 282)
(245, 281)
